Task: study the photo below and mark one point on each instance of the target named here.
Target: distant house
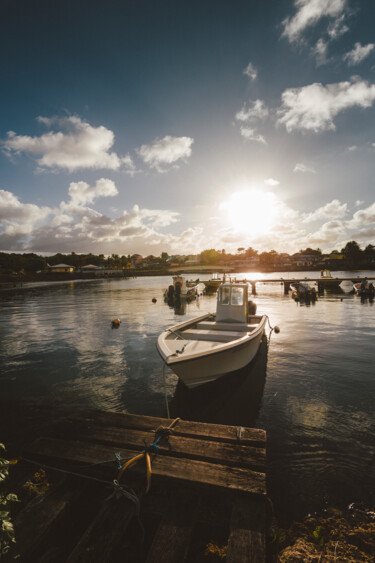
(306, 259)
(336, 256)
(90, 268)
(61, 268)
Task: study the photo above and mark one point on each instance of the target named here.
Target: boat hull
(197, 372)
(203, 368)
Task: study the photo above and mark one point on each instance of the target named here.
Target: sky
(149, 126)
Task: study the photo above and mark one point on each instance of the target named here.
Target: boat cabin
(232, 303)
(325, 274)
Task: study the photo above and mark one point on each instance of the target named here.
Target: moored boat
(302, 290)
(180, 289)
(203, 349)
(364, 288)
(214, 282)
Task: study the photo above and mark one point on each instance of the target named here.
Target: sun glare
(251, 211)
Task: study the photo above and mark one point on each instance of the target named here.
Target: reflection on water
(311, 388)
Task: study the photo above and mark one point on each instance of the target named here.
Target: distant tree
(164, 256)
(353, 253)
(268, 258)
(250, 252)
(240, 250)
(210, 256)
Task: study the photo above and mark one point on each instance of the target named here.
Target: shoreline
(17, 280)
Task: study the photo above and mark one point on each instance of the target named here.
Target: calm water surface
(312, 387)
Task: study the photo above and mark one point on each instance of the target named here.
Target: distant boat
(325, 274)
(302, 290)
(346, 286)
(364, 288)
(207, 347)
(180, 290)
(213, 283)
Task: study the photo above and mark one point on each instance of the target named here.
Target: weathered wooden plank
(179, 469)
(39, 516)
(247, 540)
(249, 436)
(104, 534)
(234, 454)
(172, 539)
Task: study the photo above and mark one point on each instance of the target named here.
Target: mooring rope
(152, 448)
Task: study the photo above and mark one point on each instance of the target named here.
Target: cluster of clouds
(74, 225)
(73, 144)
(313, 107)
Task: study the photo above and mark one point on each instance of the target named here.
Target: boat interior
(219, 331)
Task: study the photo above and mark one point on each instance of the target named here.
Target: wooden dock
(323, 283)
(208, 491)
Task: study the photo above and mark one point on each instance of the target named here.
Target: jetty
(323, 283)
(118, 486)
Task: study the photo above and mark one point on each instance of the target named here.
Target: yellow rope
(145, 454)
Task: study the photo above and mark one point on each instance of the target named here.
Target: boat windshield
(237, 295)
(231, 295)
(225, 295)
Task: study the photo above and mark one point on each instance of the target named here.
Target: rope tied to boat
(151, 449)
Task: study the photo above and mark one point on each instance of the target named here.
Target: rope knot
(152, 448)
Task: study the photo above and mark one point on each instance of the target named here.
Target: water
(312, 386)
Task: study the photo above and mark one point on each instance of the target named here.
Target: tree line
(352, 257)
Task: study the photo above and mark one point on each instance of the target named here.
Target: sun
(251, 211)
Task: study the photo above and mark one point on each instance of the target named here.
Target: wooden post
(286, 287)
(253, 288)
(247, 539)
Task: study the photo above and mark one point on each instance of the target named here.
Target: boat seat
(238, 327)
(214, 335)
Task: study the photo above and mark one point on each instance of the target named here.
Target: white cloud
(74, 227)
(352, 148)
(337, 28)
(329, 233)
(166, 151)
(254, 111)
(309, 12)
(129, 165)
(300, 167)
(358, 54)
(250, 114)
(271, 182)
(251, 134)
(82, 193)
(333, 210)
(12, 209)
(320, 52)
(313, 107)
(363, 217)
(251, 71)
(76, 145)
(358, 202)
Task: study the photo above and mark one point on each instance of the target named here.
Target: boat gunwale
(237, 343)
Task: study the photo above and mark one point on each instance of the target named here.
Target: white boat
(203, 349)
(346, 286)
(180, 289)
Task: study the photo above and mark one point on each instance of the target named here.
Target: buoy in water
(116, 323)
(154, 299)
(277, 329)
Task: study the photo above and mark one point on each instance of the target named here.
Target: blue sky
(147, 126)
